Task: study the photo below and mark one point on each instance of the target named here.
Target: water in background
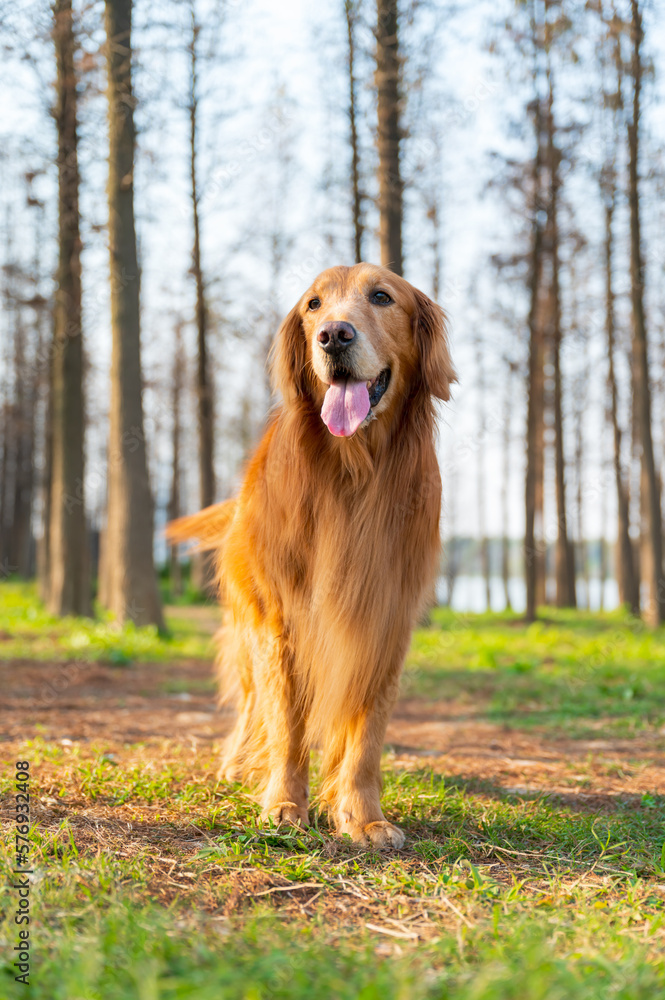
(469, 593)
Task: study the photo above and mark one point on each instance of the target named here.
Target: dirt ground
(153, 716)
(113, 706)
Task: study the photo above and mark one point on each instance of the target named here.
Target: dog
(328, 554)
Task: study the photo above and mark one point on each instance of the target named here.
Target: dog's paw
(380, 833)
(383, 834)
(286, 813)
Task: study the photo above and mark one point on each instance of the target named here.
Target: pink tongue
(345, 407)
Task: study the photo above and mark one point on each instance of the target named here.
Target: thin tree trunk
(482, 526)
(44, 548)
(21, 537)
(203, 382)
(505, 490)
(651, 548)
(8, 408)
(5, 566)
(628, 585)
(351, 15)
(582, 560)
(69, 582)
(602, 551)
(174, 500)
(132, 585)
(541, 555)
(389, 135)
(565, 569)
(202, 569)
(534, 388)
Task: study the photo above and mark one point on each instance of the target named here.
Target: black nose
(335, 336)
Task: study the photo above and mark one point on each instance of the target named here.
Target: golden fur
(328, 554)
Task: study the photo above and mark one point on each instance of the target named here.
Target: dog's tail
(209, 526)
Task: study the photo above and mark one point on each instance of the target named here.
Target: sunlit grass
(496, 896)
(28, 631)
(153, 881)
(567, 671)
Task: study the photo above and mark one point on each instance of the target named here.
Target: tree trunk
(5, 566)
(482, 525)
(202, 571)
(69, 582)
(20, 551)
(534, 388)
(651, 543)
(203, 383)
(541, 546)
(505, 484)
(628, 584)
(131, 585)
(174, 500)
(582, 557)
(44, 547)
(389, 135)
(351, 15)
(565, 568)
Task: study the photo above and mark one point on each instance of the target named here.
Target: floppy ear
(431, 339)
(288, 358)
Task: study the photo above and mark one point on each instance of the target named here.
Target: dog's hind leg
(236, 749)
(235, 687)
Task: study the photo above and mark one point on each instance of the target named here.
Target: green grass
(155, 882)
(569, 673)
(573, 910)
(28, 631)
(581, 918)
(573, 673)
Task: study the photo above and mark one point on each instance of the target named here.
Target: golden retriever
(329, 552)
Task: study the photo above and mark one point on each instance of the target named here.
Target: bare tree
(23, 435)
(565, 562)
(651, 555)
(351, 18)
(177, 385)
(389, 135)
(626, 578)
(505, 481)
(204, 388)
(534, 382)
(130, 585)
(68, 565)
(480, 474)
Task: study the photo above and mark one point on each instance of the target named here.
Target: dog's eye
(380, 298)
(313, 304)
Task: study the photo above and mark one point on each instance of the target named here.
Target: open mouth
(349, 401)
(378, 386)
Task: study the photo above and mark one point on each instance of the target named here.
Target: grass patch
(567, 673)
(153, 881)
(190, 897)
(28, 631)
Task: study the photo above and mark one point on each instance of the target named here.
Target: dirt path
(102, 706)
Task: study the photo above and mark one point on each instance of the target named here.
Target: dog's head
(361, 340)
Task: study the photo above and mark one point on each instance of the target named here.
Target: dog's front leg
(353, 790)
(285, 763)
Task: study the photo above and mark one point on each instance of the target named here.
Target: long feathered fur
(328, 553)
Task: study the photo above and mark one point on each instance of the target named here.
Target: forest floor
(526, 766)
